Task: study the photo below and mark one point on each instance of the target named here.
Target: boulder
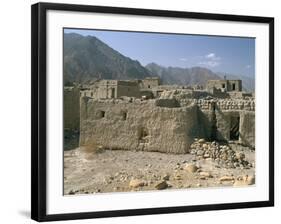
(205, 146)
(226, 178)
(166, 177)
(191, 168)
(136, 183)
(205, 174)
(201, 140)
(251, 180)
(161, 185)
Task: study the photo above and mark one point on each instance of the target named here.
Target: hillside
(87, 58)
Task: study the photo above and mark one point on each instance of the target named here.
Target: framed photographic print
(139, 111)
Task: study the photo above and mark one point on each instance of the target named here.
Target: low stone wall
(188, 97)
(248, 105)
(138, 125)
(222, 104)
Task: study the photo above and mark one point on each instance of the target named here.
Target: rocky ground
(209, 164)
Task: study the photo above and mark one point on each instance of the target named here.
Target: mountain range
(185, 76)
(87, 58)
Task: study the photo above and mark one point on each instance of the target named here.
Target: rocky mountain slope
(87, 58)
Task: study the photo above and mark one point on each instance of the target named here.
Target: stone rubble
(134, 183)
(244, 181)
(223, 154)
(161, 185)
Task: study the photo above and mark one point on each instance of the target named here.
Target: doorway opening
(143, 135)
(112, 93)
(234, 128)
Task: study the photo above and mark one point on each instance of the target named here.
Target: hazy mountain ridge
(182, 76)
(195, 75)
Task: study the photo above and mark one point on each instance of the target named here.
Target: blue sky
(221, 54)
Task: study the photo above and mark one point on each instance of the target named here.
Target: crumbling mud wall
(226, 85)
(224, 125)
(247, 128)
(164, 125)
(137, 125)
(220, 119)
(144, 115)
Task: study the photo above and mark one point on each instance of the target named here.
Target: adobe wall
(247, 128)
(107, 89)
(236, 83)
(218, 84)
(130, 89)
(223, 123)
(224, 110)
(137, 125)
(71, 107)
(171, 121)
(150, 82)
(225, 85)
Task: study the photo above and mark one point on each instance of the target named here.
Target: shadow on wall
(220, 136)
(206, 127)
(71, 139)
(245, 142)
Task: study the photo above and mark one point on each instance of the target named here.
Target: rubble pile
(223, 154)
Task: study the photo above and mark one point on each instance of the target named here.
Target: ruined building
(225, 85)
(114, 114)
(106, 89)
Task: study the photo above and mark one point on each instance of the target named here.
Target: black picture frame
(39, 114)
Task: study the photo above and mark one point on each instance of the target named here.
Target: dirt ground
(119, 171)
